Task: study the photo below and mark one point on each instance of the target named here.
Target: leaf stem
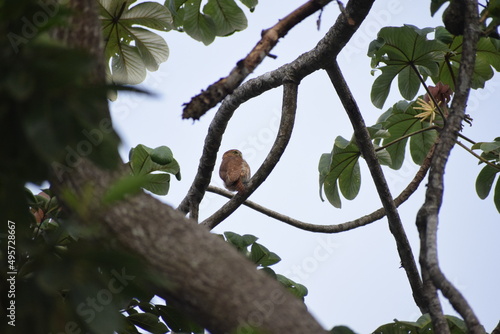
(395, 141)
(422, 81)
(489, 163)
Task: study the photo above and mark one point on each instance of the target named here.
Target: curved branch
(328, 47)
(427, 217)
(480, 158)
(290, 90)
(337, 228)
(198, 271)
(368, 151)
(217, 91)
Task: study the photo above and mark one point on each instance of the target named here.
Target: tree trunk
(204, 276)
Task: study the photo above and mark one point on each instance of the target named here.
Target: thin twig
(329, 46)
(428, 215)
(342, 227)
(290, 90)
(217, 91)
(367, 150)
(489, 163)
(466, 138)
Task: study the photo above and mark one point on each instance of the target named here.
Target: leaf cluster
(486, 178)
(263, 258)
(131, 47)
(216, 18)
(50, 114)
(151, 168)
(406, 53)
(422, 325)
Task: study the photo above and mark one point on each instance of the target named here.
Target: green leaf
(435, 5)
(126, 186)
(149, 322)
(142, 162)
(487, 56)
(240, 241)
(496, 196)
(332, 193)
(421, 143)
(158, 184)
(152, 48)
(269, 272)
(177, 321)
(397, 328)
(384, 158)
(344, 169)
(408, 54)
(489, 146)
(484, 181)
(261, 256)
(296, 289)
(457, 325)
(199, 26)
(127, 66)
(148, 14)
(132, 48)
(162, 155)
(403, 122)
(251, 4)
(424, 320)
(226, 15)
(341, 330)
(323, 168)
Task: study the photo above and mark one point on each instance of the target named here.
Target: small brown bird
(234, 171)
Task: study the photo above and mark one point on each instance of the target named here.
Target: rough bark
(204, 276)
(428, 216)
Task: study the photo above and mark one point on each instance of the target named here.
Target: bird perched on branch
(234, 171)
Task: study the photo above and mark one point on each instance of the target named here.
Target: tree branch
(329, 46)
(427, 217)
(203, 275)
(367, 150)
(290, 90)
(480, 158)
(217, 91)
(337, 228)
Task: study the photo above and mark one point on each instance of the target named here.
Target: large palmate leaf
(406, 53)
(218, 17)
(422, 325)
(340, 169)
(400, 122)
(132, 48)
(155, 167)
(487, 56)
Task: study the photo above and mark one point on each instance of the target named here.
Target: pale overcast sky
(354, 278)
